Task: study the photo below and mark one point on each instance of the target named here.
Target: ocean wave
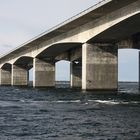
(67, 101)
(42, 102)
(7, 104)
(32, 102)
(112, 102)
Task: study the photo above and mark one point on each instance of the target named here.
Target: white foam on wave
(22, 100)
(112, 102)
(107, 102)
(135, 102)
(17, 89)
(58, 101)
(70, 101)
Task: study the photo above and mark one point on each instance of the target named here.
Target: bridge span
(89, 40)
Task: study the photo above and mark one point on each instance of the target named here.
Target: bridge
(89, 40)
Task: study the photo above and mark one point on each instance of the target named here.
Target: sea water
(70, 114)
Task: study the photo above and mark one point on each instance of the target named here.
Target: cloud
(5, 48)
(23, 20)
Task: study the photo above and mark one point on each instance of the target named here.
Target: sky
(21, 20)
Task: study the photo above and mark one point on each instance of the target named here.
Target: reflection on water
(66, 114)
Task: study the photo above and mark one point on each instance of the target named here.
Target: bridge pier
(43, 73)
(19, 76)
(99, 67)
(139, 69)
(5, 77)
(76, 74)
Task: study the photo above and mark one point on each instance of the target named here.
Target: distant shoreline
(128, 82)
(68, 82)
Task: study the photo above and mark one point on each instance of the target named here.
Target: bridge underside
(94, 57)
(128, 29)
(94, 64)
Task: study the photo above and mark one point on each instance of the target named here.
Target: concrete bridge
(89, 40)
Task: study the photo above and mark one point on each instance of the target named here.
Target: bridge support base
(99, 67)
(43, 74)
(19, 76)
(5, 77)
(76, 74)
(139, 70)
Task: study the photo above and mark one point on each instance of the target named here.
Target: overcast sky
(21, 20)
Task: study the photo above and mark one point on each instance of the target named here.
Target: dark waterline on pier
(66, 114)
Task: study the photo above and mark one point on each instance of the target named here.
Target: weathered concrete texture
(43, 73)
(128, 43)
(19, 76)
(76, 74)
(100, 67)
(139, 70)
(5, 77)
(76, 53)
(62, 56)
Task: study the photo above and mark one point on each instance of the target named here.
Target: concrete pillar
(99, 67)
(43, 73)
(76, 74)
(19, 76)
(5, 77)
(139, 69)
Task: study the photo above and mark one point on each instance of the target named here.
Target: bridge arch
(6, 66)
(54, 50)
(5, 74)
(99, 29)
(70, 52)
(24, 62)
(20, 70)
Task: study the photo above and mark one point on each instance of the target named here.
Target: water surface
(66, 114)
